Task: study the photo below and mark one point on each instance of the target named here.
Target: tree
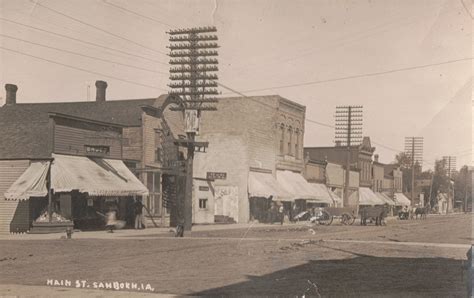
(462, 186)
(404, 161)
(440, 181)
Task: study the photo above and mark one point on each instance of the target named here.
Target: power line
(138, 14)
(82, 69)
(83, 55)
(320, 123)
(81, 41)
(467, 10)
(360, 76)
(98, 28)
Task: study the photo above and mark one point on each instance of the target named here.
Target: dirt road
(219, 263)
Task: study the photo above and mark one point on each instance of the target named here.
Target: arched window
(282, 139)
(297, 144)
(290, 140)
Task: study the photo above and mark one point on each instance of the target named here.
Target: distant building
(332, 175)
(360, 158)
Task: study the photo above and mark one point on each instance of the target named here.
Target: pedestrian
(280, 211)
(138, 210)
(111, 219)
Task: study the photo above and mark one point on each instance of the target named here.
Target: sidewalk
(126, 233)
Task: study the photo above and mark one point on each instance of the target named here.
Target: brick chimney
(376, 158)
(100, 90)
(11, 94)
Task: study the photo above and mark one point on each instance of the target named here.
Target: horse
(422, 211)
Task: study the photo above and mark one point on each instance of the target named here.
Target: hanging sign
(191, 121)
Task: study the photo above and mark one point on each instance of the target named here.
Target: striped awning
(32, 183)
(265, 185)
(299, 188)
(94, 176)
(385, 198)
(366, 197)
(322, 194)
(401, 200)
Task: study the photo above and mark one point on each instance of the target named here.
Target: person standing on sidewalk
(138, 210)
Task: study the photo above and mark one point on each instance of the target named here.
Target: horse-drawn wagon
(346, 215)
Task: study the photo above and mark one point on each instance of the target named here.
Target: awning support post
(50, 203)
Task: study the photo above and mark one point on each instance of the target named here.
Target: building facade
(259, 134)
(360, 158)
(119, 129)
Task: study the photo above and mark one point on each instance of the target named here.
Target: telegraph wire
(81, 41)
(82, 69)
(360, 75)
(98, 28)
(138, 14)
(467, 10)
(83, 55)
(228, 88)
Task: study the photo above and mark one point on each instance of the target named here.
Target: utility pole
(348, 133)
(193, 79)
(468, 176)
(449, 163)
(414, 149)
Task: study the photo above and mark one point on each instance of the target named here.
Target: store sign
(203, 188)
(216, 176)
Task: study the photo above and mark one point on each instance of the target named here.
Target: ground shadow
(359, 276)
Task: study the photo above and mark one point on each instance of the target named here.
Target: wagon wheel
(347, 219)
(325, 218)
(352, 219)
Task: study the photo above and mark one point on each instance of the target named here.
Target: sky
(408, 62)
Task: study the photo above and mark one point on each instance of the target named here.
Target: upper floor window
(158, 155)
(297, 144)
(290, 140)
(282, 139)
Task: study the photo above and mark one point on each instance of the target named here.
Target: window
(158, 155)
(290, 137)
(202, 203)
(282, 140)
(297, 141)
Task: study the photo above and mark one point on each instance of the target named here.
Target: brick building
(360, 158)
(250, 138)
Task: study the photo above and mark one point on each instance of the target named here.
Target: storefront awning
(298, 187)
(366, 197)
(401, 200)
(385, 198)
(322, 193)
(264, 185)
(32, 183)
(95, 176)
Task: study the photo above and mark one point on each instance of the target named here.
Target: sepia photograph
(236, 148)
